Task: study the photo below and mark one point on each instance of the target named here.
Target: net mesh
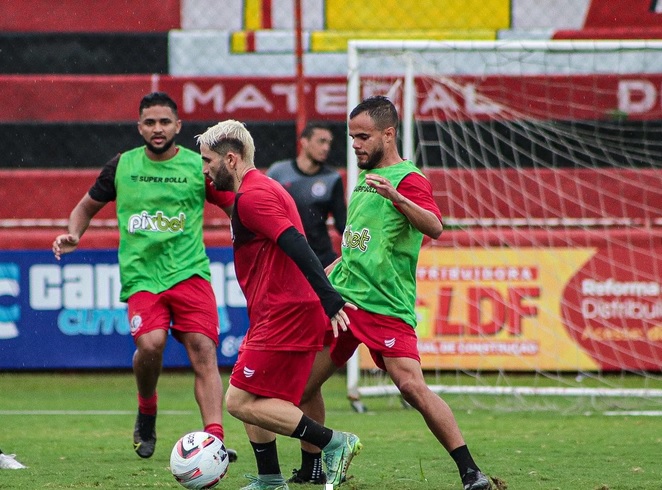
(545, 159)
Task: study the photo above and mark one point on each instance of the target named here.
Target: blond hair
(227, 136)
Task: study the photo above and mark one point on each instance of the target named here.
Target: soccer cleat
(475, 480)
(261, 483)
(297, 478)
(8, 462)
(358, 406)
(144, 435)
(232, 455)
(337, 460)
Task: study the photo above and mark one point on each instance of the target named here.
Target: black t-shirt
(316, 196)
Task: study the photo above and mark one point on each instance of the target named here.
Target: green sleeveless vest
(380, 250)
(159, 214)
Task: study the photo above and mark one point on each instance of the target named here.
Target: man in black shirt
(317, 190)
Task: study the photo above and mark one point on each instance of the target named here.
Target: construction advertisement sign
(539, 309)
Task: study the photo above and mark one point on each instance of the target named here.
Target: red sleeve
(263, 213)
(418, 189)
(222, 199)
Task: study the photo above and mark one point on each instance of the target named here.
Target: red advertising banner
(63, 98)
(624, 13)
(80, 16)
(525, 97)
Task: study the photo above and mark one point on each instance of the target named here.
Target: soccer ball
(199, 460)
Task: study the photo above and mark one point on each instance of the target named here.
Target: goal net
(546, 161)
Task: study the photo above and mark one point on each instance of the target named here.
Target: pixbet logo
(353, 239)
(157, 223)
(10, 312)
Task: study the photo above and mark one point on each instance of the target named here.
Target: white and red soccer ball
(199, 460)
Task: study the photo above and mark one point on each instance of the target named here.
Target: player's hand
(341, 319)
(63, 244)
(330, 267)
(383, 187)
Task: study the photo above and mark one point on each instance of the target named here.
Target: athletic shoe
(232, 455)
(358, 406)
(297, 478)
(337, 460)
(260, 483)
(475, 480)
(144, 435)
(8, 462)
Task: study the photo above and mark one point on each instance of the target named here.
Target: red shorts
(384, 336)
(273, 374)
(188, 306)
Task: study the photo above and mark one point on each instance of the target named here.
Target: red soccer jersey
(283, 310)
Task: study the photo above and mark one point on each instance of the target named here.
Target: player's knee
(205, 364)
(203, 358)
(411, 389)
(231, 404)
(311, 393)
(150, 350)
(151, 344)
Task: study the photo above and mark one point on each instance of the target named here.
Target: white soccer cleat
(8, 462)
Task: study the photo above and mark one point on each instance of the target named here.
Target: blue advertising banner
(67, 314)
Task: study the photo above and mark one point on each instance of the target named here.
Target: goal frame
(354, 391)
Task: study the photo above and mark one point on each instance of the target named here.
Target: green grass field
(75, 431)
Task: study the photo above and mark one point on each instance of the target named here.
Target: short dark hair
(380, 109)
(157, 98)
(312, 126)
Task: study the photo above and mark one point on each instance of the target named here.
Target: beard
(223, 180)
(160, 150)
(373, 160)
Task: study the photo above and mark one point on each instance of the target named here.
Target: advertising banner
(67, 314)
(516, 309)
(526, 309)
(55, 98)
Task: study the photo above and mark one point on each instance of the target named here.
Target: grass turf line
(527, 450)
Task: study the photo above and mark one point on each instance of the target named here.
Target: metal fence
(71, 76)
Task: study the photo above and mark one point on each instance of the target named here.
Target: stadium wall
(632, 199)
(81, 121)
(80, 16)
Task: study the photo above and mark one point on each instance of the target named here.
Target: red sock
(147, 406)
(215, 430)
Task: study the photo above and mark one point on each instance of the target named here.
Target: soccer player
(8, 462)
(317, 189)
(160, 194)
(390, 210)
(289, 301)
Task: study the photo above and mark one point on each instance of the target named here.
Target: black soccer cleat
(297, 478)
(475, 480)
(357, 405)
(144, 435)
(232, 455)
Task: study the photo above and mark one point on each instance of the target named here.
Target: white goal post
(546, 157)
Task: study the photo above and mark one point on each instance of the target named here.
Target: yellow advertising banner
(497, 309)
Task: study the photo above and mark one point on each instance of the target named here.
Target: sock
(147, 406)
(310, 431)
(311, 465)
(215, 430)
(463, 460)
(266, 456)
